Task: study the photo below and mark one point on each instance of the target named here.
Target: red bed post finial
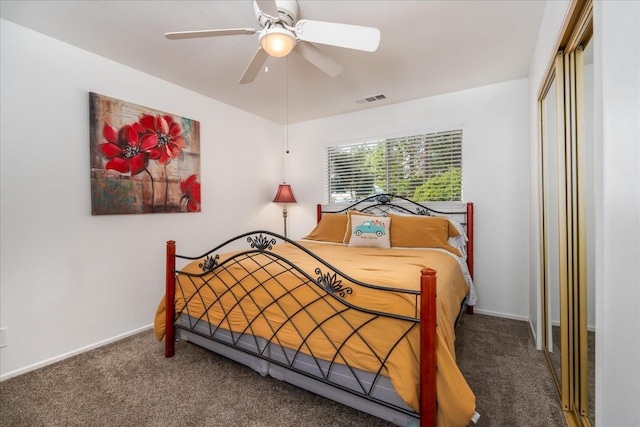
(170, 334)
(319, 212)
(428, 347)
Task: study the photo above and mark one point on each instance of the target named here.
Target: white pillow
(459, 242)
(370, 231)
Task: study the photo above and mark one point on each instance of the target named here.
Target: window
(426, 168)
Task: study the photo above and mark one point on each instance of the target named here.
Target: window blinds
(426, 167)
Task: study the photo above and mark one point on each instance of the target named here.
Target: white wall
(70, 280)
(617, 93)
(495, 173)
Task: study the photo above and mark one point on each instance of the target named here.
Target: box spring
(307, 372)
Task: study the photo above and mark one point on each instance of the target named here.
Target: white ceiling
(427, 48)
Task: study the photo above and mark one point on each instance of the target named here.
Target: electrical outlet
(3, 337)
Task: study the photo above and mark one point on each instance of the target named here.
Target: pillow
(458, 241)
(370, 231)
(331, 228)
(422, 232)
(347, 234)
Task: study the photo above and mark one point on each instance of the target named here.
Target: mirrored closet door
(567, 216)
(552, 126)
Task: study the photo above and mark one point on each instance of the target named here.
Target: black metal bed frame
(333, 289)
(329, 283)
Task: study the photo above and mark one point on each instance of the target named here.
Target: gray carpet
(131, 383)
(511, 379)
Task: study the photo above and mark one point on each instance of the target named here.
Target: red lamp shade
(284, 194)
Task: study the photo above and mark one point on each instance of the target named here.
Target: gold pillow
(331, 228)
(422, 232)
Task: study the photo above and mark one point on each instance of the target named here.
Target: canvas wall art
(142, 160)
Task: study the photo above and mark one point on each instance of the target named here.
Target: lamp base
(284, 216)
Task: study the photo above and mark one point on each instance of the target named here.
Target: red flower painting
(127, 140)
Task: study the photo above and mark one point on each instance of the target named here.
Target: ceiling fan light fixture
(277, 41)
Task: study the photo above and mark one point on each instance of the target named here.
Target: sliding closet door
(580, 222)
(586, 210)
(567, 189)
(554, 313)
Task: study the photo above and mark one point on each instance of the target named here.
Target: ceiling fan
(282, 32)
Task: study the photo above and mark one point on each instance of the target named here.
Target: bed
(348, 312)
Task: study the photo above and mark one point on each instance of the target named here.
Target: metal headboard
(383, 204)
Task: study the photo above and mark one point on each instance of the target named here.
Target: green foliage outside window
(446, 186)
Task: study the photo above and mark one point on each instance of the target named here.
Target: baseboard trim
(44, 363)
(498, 314)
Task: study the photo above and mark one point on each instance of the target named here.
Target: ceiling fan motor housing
(287, 13)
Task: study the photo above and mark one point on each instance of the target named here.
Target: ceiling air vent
(371, 98)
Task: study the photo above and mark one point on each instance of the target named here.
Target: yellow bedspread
(273, 311)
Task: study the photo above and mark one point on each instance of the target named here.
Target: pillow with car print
(370, 231)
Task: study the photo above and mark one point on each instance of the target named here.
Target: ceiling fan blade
(208, 33)
(254, 66)
(341, 35)
(268, 7)
(318, 58)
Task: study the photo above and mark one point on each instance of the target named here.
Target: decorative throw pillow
(347, 234)
(370, 231)
(331, 228)
(422, 232)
